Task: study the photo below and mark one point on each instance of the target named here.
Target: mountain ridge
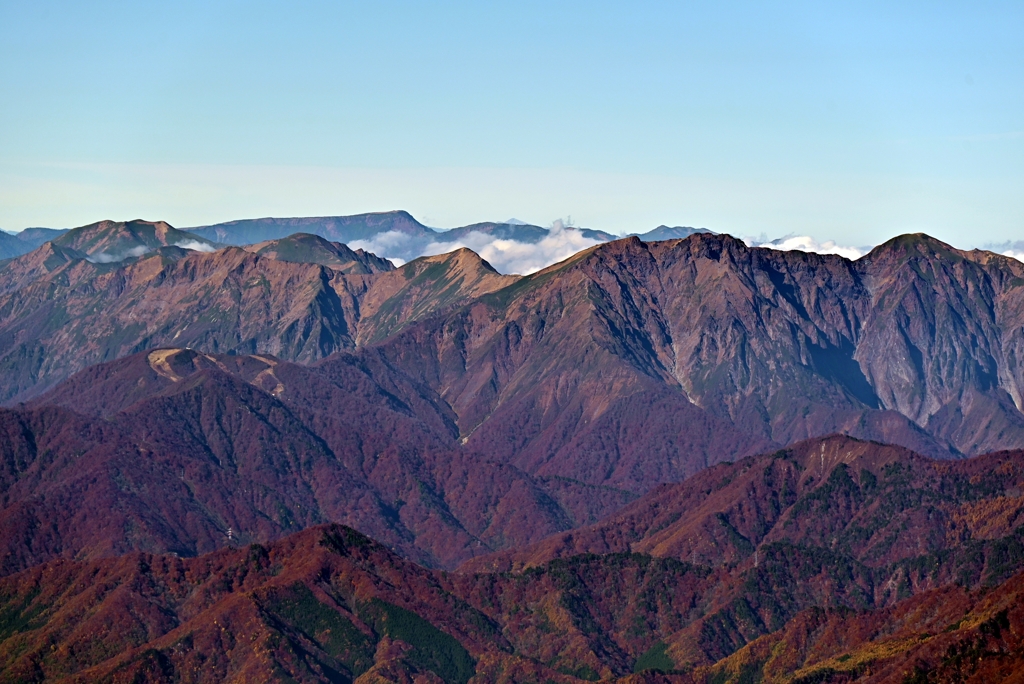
(338, 598)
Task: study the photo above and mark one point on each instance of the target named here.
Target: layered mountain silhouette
(15, 244)
(368, 226)
(684, 456)
(300, 299)
(166, 450)
(792, 597)
(912, 344)
(414, 238)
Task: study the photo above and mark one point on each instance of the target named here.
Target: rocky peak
(313, 249)
(109, 241)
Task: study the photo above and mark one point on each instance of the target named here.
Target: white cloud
(105, 258)
(506, 256)
(805, 243)
(196, 246)
(1014, 254)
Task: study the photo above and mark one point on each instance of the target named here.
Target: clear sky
(847, 121)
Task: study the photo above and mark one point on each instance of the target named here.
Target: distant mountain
(653, 360)
(343, 229)
(61, 310)
(399, 234)
(627, 366)
(109, 241)
(303, 248)
(415, 237)
(11, 246)
(799, 600)
(669, 233)
(35, 237)
(15, 244)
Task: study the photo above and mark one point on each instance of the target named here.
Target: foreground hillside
(873, 503)
(834, 561)
(165, 451)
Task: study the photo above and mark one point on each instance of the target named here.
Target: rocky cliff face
(915, 344)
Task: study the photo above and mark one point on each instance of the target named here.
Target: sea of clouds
(561, 242)
(506, 256)
(806, 243)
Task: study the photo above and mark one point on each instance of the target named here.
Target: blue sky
(844, 121)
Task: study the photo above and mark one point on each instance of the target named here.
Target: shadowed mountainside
(628, 365)
(330, 604)
(914, 344)
(167, 450)
(16, 244)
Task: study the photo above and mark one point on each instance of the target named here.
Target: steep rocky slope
(166, 450)
(915, 344)
(61, 311)
(303, 248)
(628, 365)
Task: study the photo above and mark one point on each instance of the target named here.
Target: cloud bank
(107, 258)
(196, 246)
(805, 243)
(506, 256)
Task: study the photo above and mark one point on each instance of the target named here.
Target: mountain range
(791, 597)
(415, 237)
(682, 455)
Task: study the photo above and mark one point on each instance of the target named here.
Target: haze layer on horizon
(851, 122)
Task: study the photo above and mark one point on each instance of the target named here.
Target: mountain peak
(910, 244)
(108, 241)
(314, 249)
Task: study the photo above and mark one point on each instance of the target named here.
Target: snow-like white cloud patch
(805, 243)
(196, 246)
(506, 256)
(106, 258)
